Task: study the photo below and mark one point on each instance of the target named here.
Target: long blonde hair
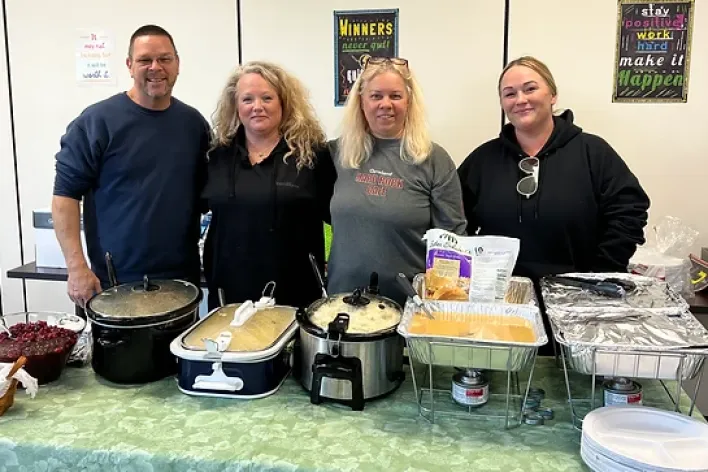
(299, 125)
(356, 142)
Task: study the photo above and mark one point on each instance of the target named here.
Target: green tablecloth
(79, 423)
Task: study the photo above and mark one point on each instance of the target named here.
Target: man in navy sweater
(138, 161)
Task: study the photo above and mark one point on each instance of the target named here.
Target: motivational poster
(357, 35)
(653, 51)
(95, 58)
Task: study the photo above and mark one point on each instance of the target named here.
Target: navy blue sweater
(140, 173)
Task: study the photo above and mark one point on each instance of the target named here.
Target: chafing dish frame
(687, 364)
(505, 357)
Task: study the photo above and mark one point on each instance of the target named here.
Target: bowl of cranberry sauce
(45, 339)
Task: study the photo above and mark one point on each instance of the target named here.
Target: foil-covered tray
(657, 365)
(648, 334)
(650, 294)
(466, 352)
(633, 344)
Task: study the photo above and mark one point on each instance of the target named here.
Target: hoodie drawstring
(539, 186)
(519, 197)
(518, 204)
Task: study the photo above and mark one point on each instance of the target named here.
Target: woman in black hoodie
(567, 195)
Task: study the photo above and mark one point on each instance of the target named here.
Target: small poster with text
(357, 35)
(95, 58)
(653, 51)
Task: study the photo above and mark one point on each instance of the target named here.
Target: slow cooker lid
(149, 300)
(263, 330)
(368, 313)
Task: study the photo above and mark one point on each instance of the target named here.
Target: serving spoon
(9, 333)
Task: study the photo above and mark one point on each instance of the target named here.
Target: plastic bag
(28, 382)
(447, 266)
(470, 268)
(493, 261)
(666, 257)
(81, 354)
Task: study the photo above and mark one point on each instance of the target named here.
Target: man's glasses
(162, 60)
(528, 185)
(378, 60)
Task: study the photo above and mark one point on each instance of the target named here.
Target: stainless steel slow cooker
(339, 359)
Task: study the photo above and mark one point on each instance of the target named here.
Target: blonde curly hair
(356, 142)
(299, 125)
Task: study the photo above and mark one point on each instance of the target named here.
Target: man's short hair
(149, 30)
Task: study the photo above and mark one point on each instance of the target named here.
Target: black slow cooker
(133, 325)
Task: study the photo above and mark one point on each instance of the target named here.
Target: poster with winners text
(358, 34)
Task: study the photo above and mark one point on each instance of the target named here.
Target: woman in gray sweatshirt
(393, 182)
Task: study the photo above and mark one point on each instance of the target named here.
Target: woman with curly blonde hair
(393, 182)
(269, 183)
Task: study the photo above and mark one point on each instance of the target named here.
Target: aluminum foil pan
(650, 293)
(663, 365)
(632, 343)
(650, 333)
(631, 330)
(466, 352)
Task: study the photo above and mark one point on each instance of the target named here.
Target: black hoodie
(266, 219)
(589, 211)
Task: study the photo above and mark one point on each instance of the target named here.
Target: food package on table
(448, 266)
(468, 268)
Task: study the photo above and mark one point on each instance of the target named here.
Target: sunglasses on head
(528, 185)
(378, 60)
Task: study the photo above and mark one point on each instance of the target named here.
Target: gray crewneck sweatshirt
(381, 211)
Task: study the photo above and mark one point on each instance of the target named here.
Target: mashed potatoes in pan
(376, 316)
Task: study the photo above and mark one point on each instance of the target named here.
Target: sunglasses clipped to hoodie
(528, 185)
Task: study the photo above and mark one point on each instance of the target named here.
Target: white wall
(47, 97)
(665, 145)
(455, 49)
(12, 299)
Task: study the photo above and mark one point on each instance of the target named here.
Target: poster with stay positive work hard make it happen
(653, 51)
